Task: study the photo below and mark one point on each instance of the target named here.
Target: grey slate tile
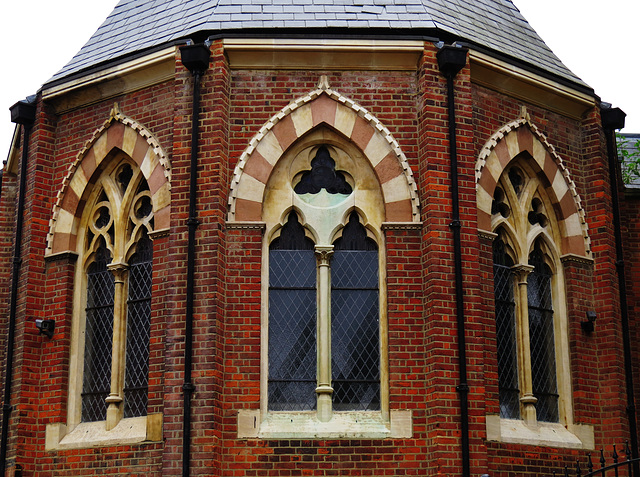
(137, 24)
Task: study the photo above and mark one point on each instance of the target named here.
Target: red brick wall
(423, 353)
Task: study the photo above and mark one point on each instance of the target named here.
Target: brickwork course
(365, 79)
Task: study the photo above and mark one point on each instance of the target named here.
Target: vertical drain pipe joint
(196, 59)
(451, 59)
(24, 113)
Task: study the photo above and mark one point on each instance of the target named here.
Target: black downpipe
(612, 119)
(21, 113)
(196, 59)
(451, 60)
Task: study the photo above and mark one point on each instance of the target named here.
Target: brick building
(294, 238)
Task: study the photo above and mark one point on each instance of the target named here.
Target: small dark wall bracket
(589, 324)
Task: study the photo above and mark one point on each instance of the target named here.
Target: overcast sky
(599, 41)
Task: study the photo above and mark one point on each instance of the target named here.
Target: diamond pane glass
(98, 338)
(138, 327)
(292, 330)
(355, 330)
(506, 333)
(542, 341)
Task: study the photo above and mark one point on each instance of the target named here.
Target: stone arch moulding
(323, 106)
(121, 133)
(508, 142)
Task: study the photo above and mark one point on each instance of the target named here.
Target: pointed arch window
(527, 296)
(324, 351)
(116, 282)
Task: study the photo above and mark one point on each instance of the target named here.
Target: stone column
(114, 400)
(324, 389)
(527, 398)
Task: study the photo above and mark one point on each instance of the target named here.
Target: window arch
(530, 307)
(324, 319)
(113, 298)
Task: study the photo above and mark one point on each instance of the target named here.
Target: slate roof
(136, 25)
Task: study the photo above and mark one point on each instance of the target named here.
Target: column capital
(522, 271)
(118, 269)
(324, 254)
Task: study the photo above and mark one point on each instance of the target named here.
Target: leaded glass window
(98, 337)
(138, 328)
(116, 271)
(505, 313)
(355, 327)
(527, 286)
(541, 334)
(292, 320)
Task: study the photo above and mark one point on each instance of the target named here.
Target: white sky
(599, 41)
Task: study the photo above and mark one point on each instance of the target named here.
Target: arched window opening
(292, 320)
(505, 314)
(117, 254)
(541, 335)
(355, 325)
(98, 337)
(524, 289)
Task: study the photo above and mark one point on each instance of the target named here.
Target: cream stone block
(162, 197)
(343, 425)
(129, 140)
(377, 149)
(302, 119)
(512, 144)
(559, 185)
(100, 148)
(94, 434)
(401, 424)
(572, 225)
(65, 221)
(345, 120)
(396, 189)
(149, 162)
(54, 433)
(549, 434)
(269, 148)
(248, 423)
(584, 433)
(484, 200)
(369, 201)
(493, 166)
(539, 153)
(250, 189)
(154, 427)
(78, 182)
(322, 212)
(278, 201)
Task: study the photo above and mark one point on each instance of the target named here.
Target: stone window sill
(132, 430)
(513, 431)
(305, 425)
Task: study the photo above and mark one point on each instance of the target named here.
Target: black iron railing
(612, 468)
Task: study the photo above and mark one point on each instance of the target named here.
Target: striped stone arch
(122, 133)
(508, 142)
(323, 106)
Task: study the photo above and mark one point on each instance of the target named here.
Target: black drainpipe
(451, 59)
(612, 119)
(196, 59)
(21, 113)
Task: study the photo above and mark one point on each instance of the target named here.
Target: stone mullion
(527, 399)
(115, 409)
(324, 390)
